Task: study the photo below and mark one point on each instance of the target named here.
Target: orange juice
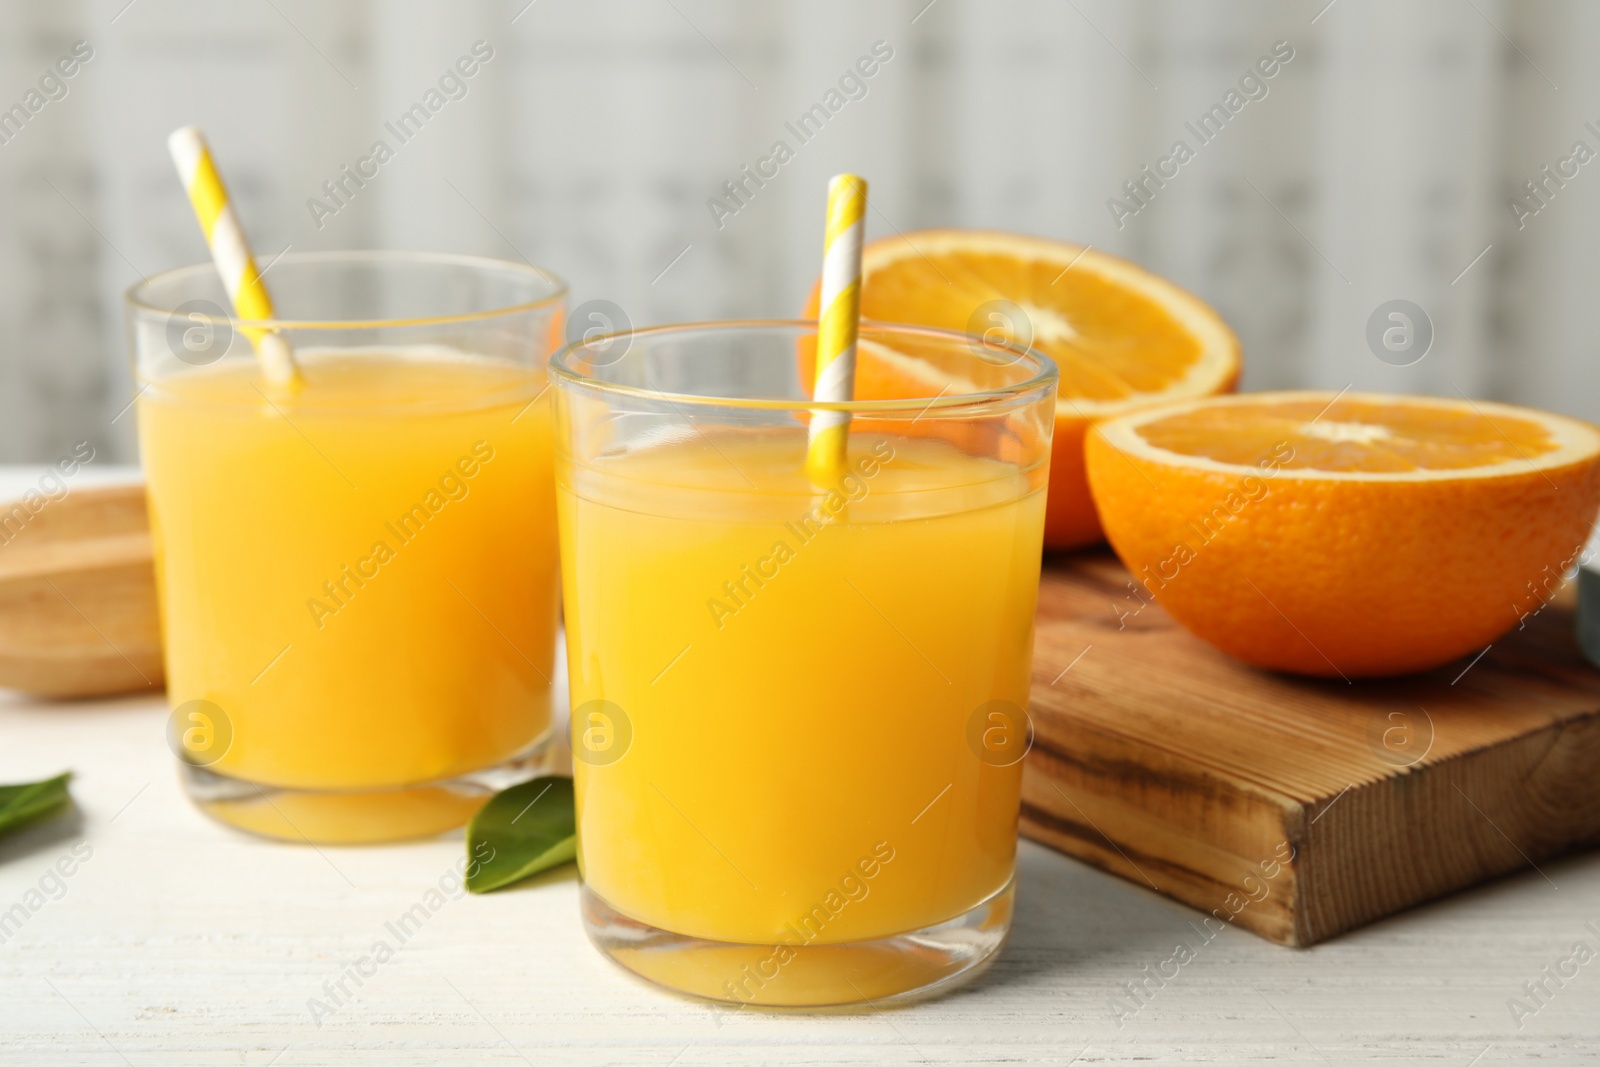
(360, 576)
(795, 678)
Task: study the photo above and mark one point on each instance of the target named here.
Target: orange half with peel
(1122, 337)
(1346, 535)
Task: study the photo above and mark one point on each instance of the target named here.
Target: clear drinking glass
(358, 579)
(798, 710)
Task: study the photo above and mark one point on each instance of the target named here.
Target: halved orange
(1354, 535)
(1123, 337)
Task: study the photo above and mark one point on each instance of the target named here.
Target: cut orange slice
(1122, 337)
(1354, 535)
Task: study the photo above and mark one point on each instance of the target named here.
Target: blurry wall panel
(1405, 164)
(1546, 261)
(634, 147)
(55, 381)
(1216, 227)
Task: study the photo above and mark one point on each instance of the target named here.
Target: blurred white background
(1380, 165)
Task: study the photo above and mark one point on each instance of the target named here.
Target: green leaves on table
(523, 830)
(31, 801)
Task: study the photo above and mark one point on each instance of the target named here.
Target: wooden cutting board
(1161, 760)
(78, 612)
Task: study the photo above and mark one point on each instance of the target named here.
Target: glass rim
(137, 296)
(1044, 375)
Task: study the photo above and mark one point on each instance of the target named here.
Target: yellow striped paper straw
(838, 321)
(230, 251)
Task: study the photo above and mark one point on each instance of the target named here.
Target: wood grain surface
(1299, 808)
(78, 612)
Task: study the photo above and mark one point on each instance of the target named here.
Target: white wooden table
(178, 941)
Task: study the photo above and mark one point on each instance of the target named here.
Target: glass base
(358, 816)
(895, 970)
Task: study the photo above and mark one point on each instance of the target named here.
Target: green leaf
(521, 831)
(30, 801)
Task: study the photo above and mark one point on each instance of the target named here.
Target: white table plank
(179, 941)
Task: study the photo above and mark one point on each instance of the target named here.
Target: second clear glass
(799, 710)
(357, 578)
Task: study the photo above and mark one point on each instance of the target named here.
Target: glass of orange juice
(798, 710)
(358, 578)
